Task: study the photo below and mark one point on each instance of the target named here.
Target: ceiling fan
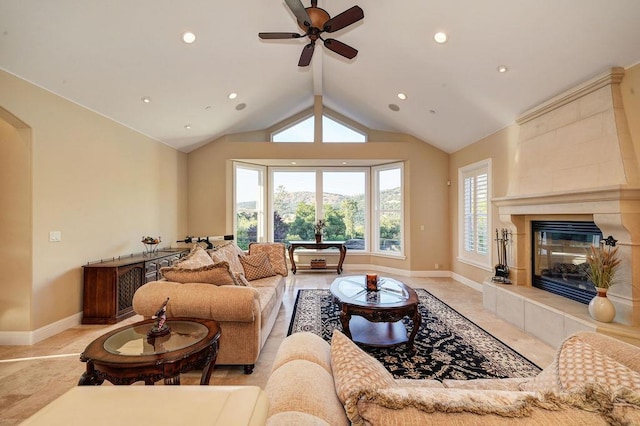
(314, 21)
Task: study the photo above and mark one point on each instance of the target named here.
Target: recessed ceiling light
(145, 99)
(432, 111)
(208, 107)
(402, 96)
(188, 37)
(294, 163)
(241, 106)
(188, 126)
(502, 69)
(440, 37)
(394, 107)
(233, 95)
(344, 163)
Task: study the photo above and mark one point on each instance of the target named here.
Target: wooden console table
(109, 285)
(312, 245)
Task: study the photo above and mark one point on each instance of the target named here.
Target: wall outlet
(55, 236)
(437, 266)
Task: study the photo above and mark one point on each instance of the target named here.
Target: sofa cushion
(197, 258)
(354, 369)
(256, 266)
(304, 345)
(218, 274)
(302, 385)
(229, 252)
(276, 253)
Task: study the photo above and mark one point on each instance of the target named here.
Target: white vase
(600, 308)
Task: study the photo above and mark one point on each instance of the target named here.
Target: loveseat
(593, 380)
(242, 291)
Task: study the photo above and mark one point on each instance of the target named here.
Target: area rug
(448, 345)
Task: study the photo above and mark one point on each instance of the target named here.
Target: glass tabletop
(353, 289)
(133, 341)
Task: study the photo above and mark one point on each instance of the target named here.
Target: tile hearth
(27, 384)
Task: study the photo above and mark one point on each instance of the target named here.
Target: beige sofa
(246, 307)
(593, 380)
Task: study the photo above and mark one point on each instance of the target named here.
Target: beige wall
(99, 183)
(426, 175)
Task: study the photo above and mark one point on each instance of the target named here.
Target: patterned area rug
(448, 345)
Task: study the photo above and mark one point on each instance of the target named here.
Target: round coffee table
(373, 318)
(126, 355)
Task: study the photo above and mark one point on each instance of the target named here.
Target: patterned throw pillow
(197, 258)
(257, 266)
(354, 369)
(218, 274)
(276, 253)
(228, 253)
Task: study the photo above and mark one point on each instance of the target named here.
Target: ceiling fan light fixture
(440, 37)
(188, 37)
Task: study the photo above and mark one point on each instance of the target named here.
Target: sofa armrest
(198, 300)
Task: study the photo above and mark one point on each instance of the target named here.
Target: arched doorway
(15, 223)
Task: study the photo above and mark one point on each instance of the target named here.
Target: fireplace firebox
(559, 257)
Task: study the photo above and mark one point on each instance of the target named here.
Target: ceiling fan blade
(301, 13)
(344, 19)
(307, 53)
(271, 36)
(340, 48)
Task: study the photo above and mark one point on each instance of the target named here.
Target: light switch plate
(55, 237)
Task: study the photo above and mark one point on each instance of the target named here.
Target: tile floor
(26, 385)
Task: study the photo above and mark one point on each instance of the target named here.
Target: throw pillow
(257, 266)
(228, 253)
(354, 370)
(218, 274)
(197, 258)
(276, 253)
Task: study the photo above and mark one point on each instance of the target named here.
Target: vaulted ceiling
(109, 55)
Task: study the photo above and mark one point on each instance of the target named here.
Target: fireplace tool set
(502, 269)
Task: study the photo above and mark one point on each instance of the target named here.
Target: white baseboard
(466, 281)
(20, 338)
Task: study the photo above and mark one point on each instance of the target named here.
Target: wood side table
(373, 318)
(312, 245)
(126, 355)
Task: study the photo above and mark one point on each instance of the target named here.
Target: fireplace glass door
(560, 257)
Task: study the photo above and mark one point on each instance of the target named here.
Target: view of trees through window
(299, 197)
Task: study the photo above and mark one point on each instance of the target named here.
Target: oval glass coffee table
(374, 318)
(126, 355)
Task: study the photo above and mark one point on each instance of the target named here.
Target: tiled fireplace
(592, 176)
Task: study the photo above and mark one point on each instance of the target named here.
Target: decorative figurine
(160, 328)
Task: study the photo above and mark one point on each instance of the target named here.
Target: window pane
(294, 206)
(299, 132)
(332, 131)
(248, 194)
(390, 210)
(344, 207)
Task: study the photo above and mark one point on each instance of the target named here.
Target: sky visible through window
(332, 132)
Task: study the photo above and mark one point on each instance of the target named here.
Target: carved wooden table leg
(293, 262)
(90, 377)
(417, 321)
(345, 317)
(209, 364)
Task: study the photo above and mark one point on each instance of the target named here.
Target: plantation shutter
(475, 211)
